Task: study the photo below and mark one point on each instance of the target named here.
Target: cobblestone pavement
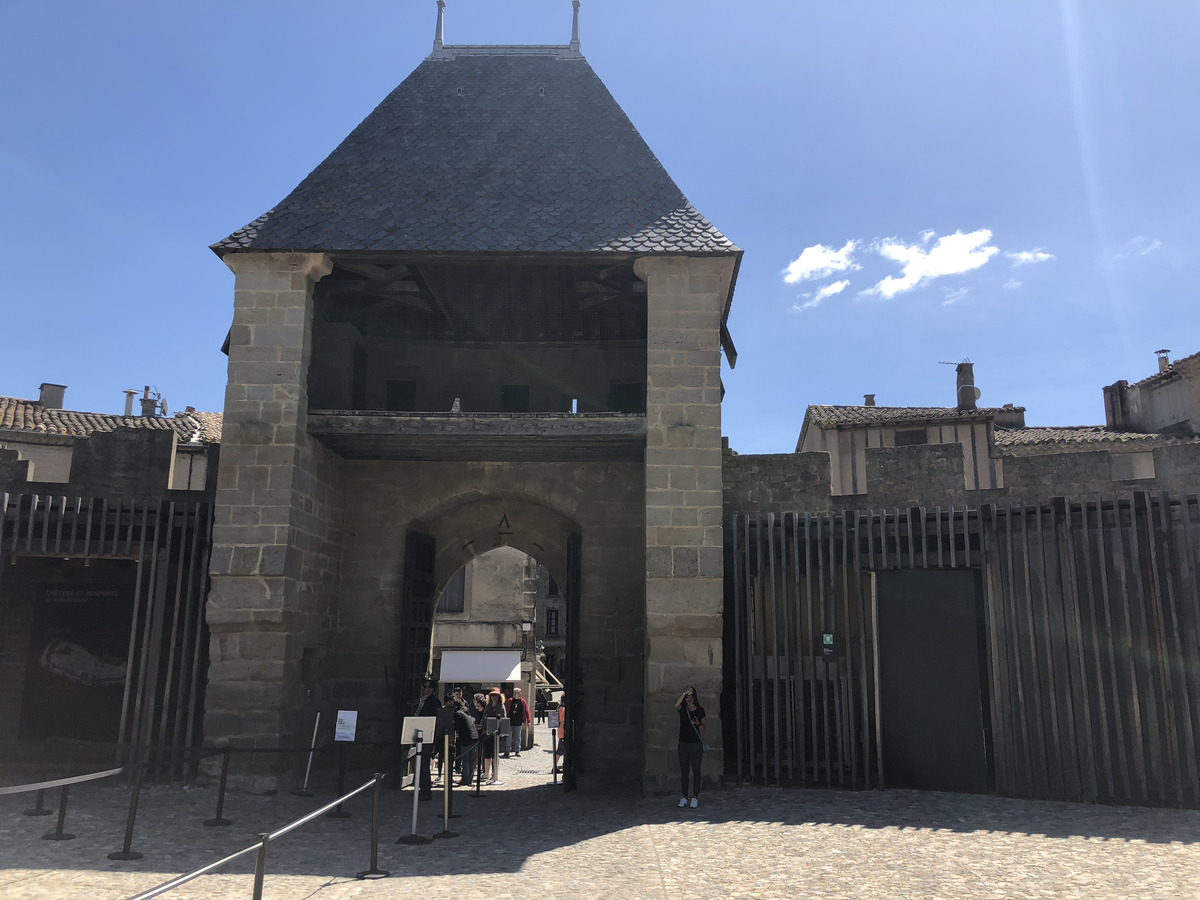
(528, 838)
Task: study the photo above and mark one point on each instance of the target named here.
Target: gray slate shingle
(489, 153)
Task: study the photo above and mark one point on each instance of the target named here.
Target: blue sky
(913, 183)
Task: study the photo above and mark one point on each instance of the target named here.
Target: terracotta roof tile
(1162, 376)
(1080, 435)
(31, 417)
(832, 416)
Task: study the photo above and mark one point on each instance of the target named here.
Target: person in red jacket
(518, 718)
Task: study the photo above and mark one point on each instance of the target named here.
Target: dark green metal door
(931, 696)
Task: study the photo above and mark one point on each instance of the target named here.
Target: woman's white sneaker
(695, 802)
(682, 802)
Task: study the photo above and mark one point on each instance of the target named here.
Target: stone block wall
(461, 506)
(776, 482)
(14, 471)
(128, 462)
(274, 561)
(683, 502)
(931, 475)
(927, 475)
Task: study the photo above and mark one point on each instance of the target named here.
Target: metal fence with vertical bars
(1091, 614)
(168, 542)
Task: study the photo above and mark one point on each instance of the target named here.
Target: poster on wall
(78, 648)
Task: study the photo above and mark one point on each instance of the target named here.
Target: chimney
(1116, 406)
(51, 395)
(1164, 361)
(965, 385)
(129, 395)
(149, 404)
(868, 399)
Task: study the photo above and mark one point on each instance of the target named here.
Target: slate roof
(1083, 435)
(31, 417)
(489, 150)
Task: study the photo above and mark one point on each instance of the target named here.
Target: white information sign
(552, 717)
(347, 724)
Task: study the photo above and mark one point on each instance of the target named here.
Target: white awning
(476, 666)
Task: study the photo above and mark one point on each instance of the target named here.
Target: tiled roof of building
(489, 150)
(32, 417)
(832, 416)
(1079, 435)
(1169, 373)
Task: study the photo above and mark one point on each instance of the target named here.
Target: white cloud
(827, 291)
(1011, 284)
(952, 254)
(819, 261)
(954, 296)
(1027, 257)
(927, 235)
(1138, 246)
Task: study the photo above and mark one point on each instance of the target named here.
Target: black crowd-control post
(127, 852)
(57, 834)
(219, 818)
(478, 792)
(39, 808)
(337, 812)
(260, 866)
(375, 871)
(554, 754)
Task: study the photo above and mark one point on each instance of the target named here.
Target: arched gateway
(488, 317)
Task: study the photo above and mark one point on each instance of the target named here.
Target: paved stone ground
(529, 839)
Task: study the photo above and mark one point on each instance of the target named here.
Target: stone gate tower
(488, 317)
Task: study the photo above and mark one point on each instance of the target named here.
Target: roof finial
(575, 27)
(438, 35)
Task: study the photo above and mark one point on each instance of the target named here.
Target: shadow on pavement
(499, 832)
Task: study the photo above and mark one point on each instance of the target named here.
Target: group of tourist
(475, 738)
(477, 748)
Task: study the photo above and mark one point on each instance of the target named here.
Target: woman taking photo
(691, 745)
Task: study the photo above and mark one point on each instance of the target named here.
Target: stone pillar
(257, 630)
(684, 549)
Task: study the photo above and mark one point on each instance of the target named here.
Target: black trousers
(690, 756)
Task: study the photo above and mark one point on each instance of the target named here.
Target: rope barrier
(60, 782)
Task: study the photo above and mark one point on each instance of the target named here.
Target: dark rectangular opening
(912, 437)
(514, 398)
(401, 396)
(628, 397)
